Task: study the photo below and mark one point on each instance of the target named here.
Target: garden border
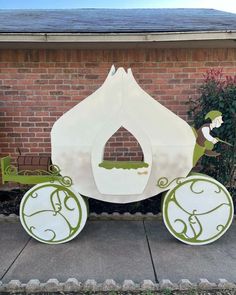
(73, 285)
(100, 216)
(103, 216)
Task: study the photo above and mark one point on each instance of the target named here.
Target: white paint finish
(208, 207)
(79, 137)
(39, 215)
(121, 181)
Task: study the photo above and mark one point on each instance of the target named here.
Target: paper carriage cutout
(80, 135)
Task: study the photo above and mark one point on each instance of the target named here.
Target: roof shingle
(115, 20)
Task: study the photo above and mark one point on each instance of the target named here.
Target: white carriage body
(79, 137)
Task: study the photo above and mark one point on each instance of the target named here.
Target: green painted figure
(204, 140)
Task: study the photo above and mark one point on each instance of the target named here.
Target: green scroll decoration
(164, 182)
(10, 170)
(193, 221)
(53, 170)
(65, 181)
(11, 173)
(58, 207)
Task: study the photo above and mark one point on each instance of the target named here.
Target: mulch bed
(10, 203)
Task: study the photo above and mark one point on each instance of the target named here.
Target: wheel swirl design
(199, 210)
(52, 213)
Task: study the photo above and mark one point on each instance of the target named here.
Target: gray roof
(115, 20)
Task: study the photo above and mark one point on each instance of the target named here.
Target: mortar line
(150, 252)
(15, 258)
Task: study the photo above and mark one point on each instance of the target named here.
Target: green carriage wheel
(198, 211)
(52, 213)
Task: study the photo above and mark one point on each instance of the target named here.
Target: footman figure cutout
(205, 141)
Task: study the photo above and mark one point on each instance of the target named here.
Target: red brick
(35, 119)
(116, 144)
(38, 86)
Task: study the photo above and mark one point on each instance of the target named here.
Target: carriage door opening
(122, 146)
(122, 168)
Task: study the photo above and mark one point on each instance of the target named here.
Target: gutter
(116, 37)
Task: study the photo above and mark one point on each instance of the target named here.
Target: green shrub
(218, 92)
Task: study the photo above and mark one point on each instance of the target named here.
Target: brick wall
(38, 86)
(123, 146)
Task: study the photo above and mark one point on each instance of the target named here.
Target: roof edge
(116, 37)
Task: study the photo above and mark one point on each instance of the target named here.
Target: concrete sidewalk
(118, 250)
